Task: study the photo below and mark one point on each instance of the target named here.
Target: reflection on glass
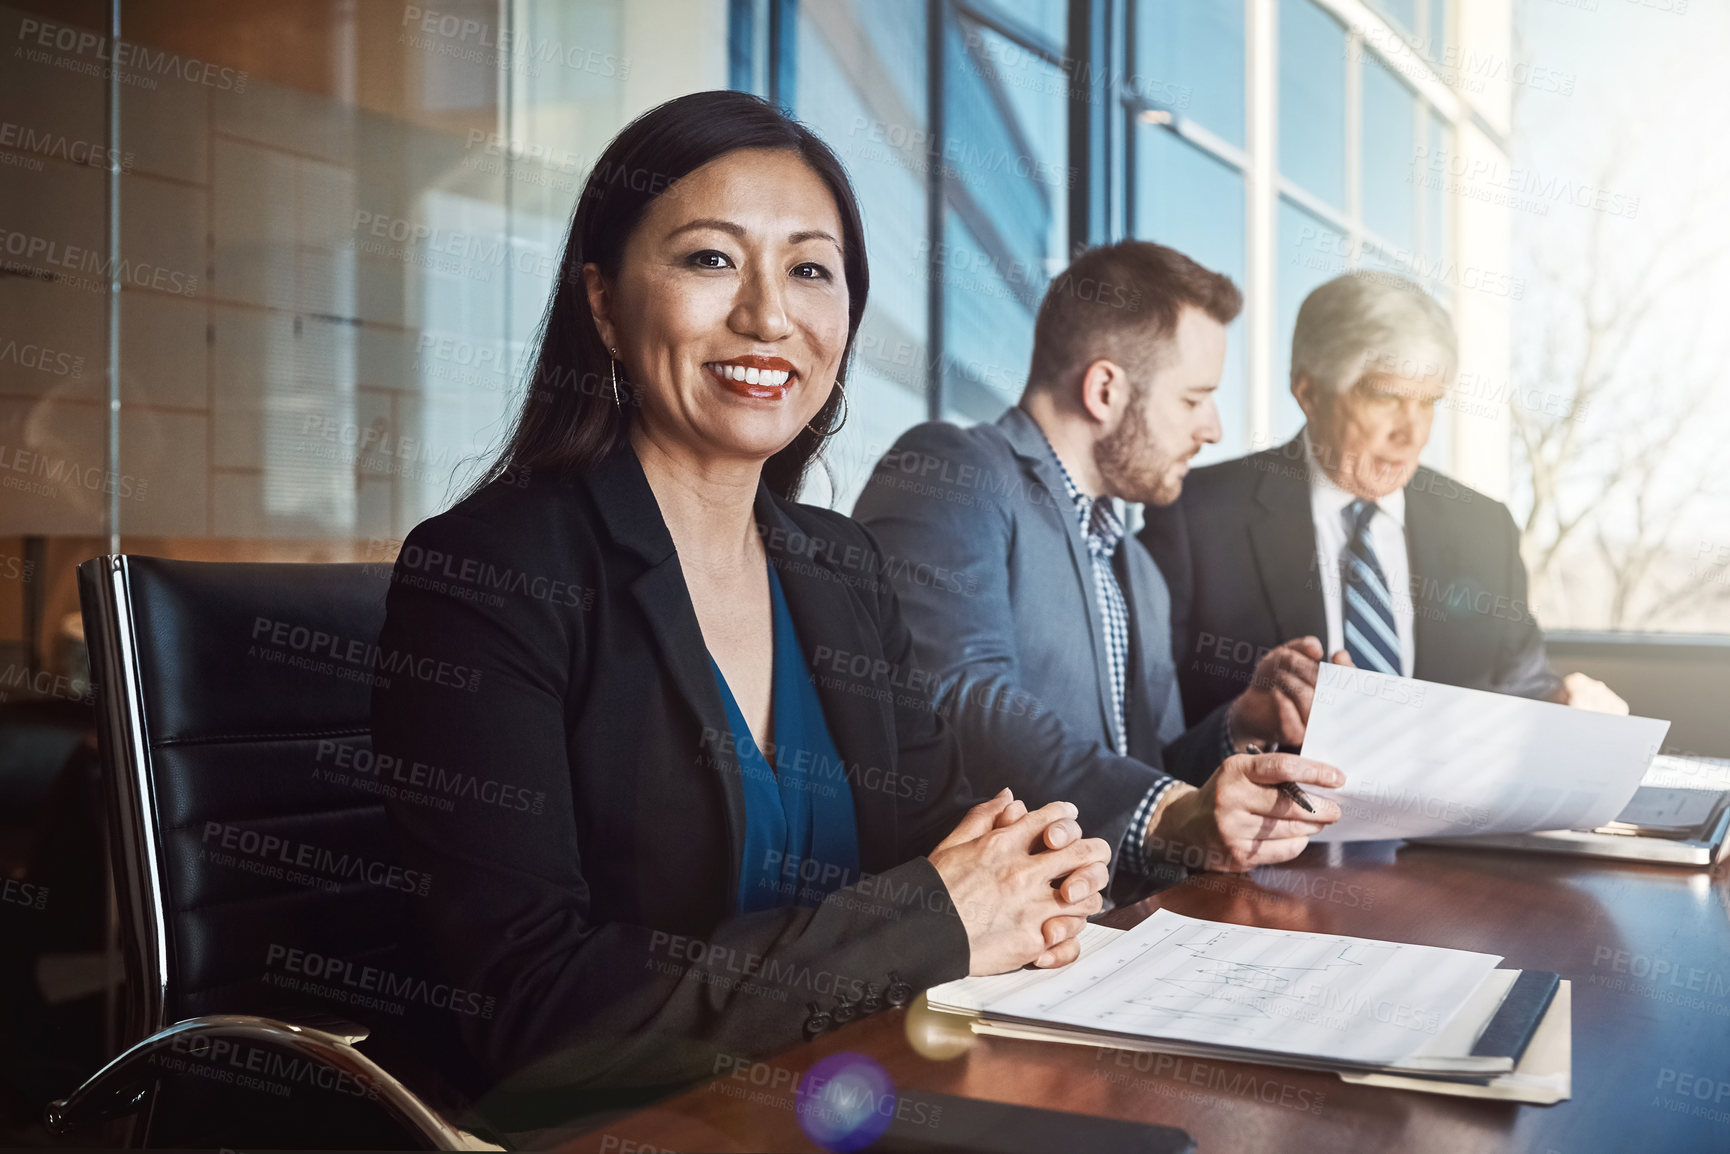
(1031, 138)
(55, 298)
(1402, 12)
(1048, 19)
(1006, 186)
(1434, 179)
(1310, 252)
(1187, 199)
(887, 151)
(1389, 154)
(1189, 60)
(1438, 29)
(356, 226)
(1312, 100)
(988, 311)
(881, 136)
(1005, 140)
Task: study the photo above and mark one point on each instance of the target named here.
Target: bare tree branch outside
(1620, 355)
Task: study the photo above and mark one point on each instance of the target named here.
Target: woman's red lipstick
(765, 387)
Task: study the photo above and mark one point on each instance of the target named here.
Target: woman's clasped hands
(1024, 882)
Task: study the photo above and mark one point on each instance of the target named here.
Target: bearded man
(1006, 547)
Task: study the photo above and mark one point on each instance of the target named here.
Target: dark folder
(1511, 1030)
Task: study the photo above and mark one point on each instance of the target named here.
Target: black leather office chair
(276, 991)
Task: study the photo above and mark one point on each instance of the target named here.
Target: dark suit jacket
(996, 581)
(1238, 550)
(583, 883)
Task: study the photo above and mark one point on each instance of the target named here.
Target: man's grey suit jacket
(996, 584)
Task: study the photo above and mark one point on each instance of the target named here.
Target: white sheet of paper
(972, 994)
(1429, 760)
(1317, 995)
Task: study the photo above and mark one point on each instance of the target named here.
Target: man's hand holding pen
(1244, 816)
(1288, 788)
(1251, 811)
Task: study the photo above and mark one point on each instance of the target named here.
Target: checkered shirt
(1103, 529)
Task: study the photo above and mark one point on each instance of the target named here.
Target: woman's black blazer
(556, 741)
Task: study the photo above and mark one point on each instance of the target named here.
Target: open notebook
(1381, 1013)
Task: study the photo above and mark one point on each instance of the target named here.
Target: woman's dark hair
(568, 420)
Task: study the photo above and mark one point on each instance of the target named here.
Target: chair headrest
(237, 649)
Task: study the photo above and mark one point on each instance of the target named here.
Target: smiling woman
(643, 225)
(733, 853)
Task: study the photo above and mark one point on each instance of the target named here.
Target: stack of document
(1682, 824)
(1383, 1013)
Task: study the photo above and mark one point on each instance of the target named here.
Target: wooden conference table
(1646, 947)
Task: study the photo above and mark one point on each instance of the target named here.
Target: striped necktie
(1372, 639)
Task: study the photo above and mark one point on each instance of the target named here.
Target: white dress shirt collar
(1388, 538)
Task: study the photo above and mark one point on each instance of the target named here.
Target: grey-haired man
(1341, 534)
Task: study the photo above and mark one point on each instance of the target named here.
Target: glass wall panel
(1189, 60)
(1188, 199)
(1432, 181)
(860, 84)
(1312, 100)
(988, 311)
(1006, 182)
(1390, 125)
(1048, 20)
(1310, 252)
(1007, 147)
(319, 267)
(55, 300)
(1402, 12)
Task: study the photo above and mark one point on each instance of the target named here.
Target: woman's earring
(613, 371)
(836, 427)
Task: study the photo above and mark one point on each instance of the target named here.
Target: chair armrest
(120, 1087)
(341, 1028)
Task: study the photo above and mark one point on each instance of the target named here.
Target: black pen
(1289, 788)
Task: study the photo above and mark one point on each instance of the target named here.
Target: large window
(1186, 128)
(1188, 60)
(353, 266)
(1618, 396)
(1193, 201)
(1311, 251)
(1389, 144)
(1312, 101)
(966, 202)
(858, 79)
(957, 119)
(1347, 150)
(312, 256)
(1356, 199)
(1005, 196)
